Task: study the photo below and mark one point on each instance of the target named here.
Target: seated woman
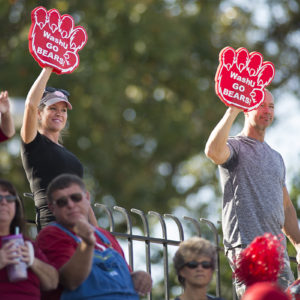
(194, 262)
(40, 275)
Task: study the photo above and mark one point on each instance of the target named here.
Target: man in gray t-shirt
(255, 198)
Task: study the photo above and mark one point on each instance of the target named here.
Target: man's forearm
(291, 227)
(77, 269)
(47, 274)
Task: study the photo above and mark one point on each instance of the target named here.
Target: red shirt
(3, 137)
(28, 289)
(59, 247)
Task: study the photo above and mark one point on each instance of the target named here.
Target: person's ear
(88, 196)
(51, 207)
(180, 273)
(39, 114)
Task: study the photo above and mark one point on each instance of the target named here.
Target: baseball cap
(53, 95)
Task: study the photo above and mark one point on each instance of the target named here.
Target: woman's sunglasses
(50, 89)
(63, 201)
(195, 264)
(8, 198)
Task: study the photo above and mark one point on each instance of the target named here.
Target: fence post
(218, 272)
(147, 242)
(129, 232)
(109, 215)
(165, 251)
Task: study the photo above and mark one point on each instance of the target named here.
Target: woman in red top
(41, 276)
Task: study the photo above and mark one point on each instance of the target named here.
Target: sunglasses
(63, 201)
(50, 89)
(8, 198)
(194, 264)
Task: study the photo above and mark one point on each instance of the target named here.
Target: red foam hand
(241, 78)
(54, 41)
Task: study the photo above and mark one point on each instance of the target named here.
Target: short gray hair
(191, 249)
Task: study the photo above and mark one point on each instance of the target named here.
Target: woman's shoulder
(36, 141)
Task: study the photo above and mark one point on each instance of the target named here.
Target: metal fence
(149, 240)
(164, 241)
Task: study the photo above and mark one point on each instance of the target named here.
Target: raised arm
(7, 124)
(216, 147)
(30, 119)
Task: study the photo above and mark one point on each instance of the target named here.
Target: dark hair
(63, 181)
(191, 249)
(18, 220)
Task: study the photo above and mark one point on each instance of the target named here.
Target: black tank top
(43, 160)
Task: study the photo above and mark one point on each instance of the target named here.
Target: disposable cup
(16, 272)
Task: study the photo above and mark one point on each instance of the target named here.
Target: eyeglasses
(8, 198)
(63, 201)
(194, 264)
(50, 89)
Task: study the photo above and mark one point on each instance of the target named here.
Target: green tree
(143, 91)
(143, 95)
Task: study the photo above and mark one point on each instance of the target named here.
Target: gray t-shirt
(252, 181)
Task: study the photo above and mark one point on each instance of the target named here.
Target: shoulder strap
(104, 239)
(101, 235)
(68, 232)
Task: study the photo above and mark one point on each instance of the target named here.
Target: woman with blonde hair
(43, 155)
(194, 262)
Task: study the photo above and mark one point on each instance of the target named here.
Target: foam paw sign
(54, 41)
(241, 78)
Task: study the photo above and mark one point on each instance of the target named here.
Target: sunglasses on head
(63, 201)
(8, 198)
(50, 89)
(195, 264)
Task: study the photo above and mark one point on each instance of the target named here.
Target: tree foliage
(143, 95)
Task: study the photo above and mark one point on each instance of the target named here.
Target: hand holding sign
(241, 78)
(54, 41)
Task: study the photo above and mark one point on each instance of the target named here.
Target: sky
(283, 135)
